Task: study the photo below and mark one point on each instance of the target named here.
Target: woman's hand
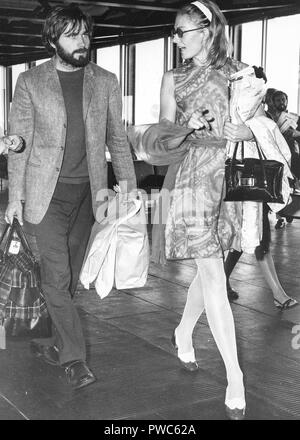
(200, 119)
(237, 132)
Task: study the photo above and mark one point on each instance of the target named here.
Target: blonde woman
(200, 225)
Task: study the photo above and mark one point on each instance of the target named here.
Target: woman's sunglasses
(179, 32)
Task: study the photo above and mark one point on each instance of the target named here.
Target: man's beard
(69, 58)
(282, 107)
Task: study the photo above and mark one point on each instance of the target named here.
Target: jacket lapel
(55, 88)
(88, 89)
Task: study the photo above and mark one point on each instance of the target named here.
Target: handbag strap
(8, 239)
(4, 232)
(262, 153)
(259, 149)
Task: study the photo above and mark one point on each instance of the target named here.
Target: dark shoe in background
(280, 223)
(232, 294)
(46, 353)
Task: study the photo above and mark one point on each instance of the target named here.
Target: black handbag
(23, 308)
(250, 179)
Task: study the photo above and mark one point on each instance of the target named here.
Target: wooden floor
(139, 377)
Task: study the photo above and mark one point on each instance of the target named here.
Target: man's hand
(237, 132)
(14, 209)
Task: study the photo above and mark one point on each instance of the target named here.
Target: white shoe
(235, 407)
(187, 360)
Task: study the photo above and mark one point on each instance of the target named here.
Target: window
(282, 68)
(15, 72)
(109, 59)
(149, 69)
(251, 43)
(38, 62)
(2, 99)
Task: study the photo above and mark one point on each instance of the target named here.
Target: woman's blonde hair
(217, 42)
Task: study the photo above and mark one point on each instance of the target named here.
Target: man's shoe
(79, 375)
(232, 294)
(47, 353)
(280, 223)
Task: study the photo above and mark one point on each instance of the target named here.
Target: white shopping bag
(132, 251)
(98, 258)
(118, 249)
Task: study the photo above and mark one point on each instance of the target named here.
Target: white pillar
(3, 113)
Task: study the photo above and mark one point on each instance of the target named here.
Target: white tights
(208, 291)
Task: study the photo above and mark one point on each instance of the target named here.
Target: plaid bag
(22, 304)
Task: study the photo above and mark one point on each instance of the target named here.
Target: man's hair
(269, 95)
(217, 41)
(59, 19)
(279, 93)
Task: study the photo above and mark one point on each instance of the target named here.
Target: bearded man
(67, 111)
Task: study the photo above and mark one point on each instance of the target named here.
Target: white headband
(204, 9)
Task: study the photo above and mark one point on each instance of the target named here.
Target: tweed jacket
(38, 114)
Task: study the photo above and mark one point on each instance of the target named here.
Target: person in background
(263, 255)
(266, 263)
(289, 125)
(67, 110)
(268, 101)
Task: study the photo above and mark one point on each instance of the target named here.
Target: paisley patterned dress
(199, 223)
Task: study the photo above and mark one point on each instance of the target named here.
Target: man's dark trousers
(61, 239)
